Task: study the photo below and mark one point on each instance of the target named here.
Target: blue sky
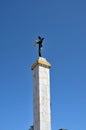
(63, 24)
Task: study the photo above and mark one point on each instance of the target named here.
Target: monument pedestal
(41, 94)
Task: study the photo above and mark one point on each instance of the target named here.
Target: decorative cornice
(42, 63)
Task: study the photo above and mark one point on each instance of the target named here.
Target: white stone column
(41, 94)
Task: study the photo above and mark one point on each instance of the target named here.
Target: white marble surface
(42, 114)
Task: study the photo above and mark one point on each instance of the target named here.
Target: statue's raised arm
(39, 42)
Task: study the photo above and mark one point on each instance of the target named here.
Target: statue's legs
(40, 52)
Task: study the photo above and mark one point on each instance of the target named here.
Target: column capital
(41, 61)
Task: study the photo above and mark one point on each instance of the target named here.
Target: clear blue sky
(63, 24)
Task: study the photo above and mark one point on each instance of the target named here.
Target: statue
(39, 42)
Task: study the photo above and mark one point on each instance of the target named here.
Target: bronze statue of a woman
(39, 42)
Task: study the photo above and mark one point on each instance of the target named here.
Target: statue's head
(39, 38)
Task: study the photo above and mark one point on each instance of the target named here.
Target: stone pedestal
(41, 94)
